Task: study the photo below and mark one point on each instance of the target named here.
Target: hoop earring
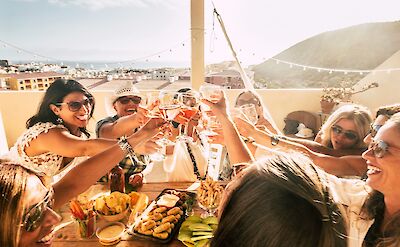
(59, 120)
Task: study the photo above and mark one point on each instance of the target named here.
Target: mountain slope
(363, 46)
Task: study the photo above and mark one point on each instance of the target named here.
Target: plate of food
(163, 217)
(115, 206)
(197, 231)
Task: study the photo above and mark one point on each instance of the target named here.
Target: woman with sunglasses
(342, 133)
(354, 165)
(26, 203)
(57, 133)
(377, 221)
(348, 165)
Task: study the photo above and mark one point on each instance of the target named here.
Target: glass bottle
(117, 179)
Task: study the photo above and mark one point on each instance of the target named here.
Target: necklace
(195, 168)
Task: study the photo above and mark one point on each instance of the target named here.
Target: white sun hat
(127, 89)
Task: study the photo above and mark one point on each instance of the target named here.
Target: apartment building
(32, 81)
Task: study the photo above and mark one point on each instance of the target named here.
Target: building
(226, 78)
(161, 74)
(32, 81)
(3, 81)
(3, 63)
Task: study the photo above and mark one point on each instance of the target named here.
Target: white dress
(48, 163)
(180, 168)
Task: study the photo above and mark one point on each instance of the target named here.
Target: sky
(141, 31)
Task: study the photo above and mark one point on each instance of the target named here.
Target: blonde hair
(12, 188)
(359, 114)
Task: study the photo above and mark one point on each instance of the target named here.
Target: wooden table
(68, 235)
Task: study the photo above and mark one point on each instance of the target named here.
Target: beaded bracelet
(125, 146)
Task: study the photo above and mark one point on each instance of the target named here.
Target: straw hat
(128, 89)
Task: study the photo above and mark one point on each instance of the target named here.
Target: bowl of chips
(113, 207)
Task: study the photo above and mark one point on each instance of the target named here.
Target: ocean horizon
(107, 65)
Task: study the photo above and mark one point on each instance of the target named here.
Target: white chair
(217, 153)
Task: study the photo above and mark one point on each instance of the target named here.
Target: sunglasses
(125, 100)
(374, 129)
(245, 102)
(34, 217)
(380, 148)
(348, 134)
(75, 106)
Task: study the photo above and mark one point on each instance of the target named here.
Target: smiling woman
(26, 201)
(57, 133)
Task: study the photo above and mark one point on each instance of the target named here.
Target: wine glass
(169, 108)
(169, 104)
(250, 112)
(189, 108)
(210, 92)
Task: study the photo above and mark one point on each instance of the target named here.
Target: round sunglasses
(34, 216)
(380, 148)
(125, 100)
(75, 106)
(348, 134)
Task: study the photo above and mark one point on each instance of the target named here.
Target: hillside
(363, 46)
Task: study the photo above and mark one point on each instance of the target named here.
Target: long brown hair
(281, 201)
(375, 205)
(56, 93)
(12, 188)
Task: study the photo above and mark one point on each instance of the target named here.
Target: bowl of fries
(112, 207)
(209, 196)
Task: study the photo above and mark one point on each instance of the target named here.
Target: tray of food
(162, 218)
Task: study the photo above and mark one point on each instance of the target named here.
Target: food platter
(162, 218)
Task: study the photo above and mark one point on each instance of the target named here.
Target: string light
(130, 61)
(332, 70)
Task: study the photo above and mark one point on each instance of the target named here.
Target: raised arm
(123, 125)
(93, 168)
(237, 149)
(351, 165)
(340, 166)
(63, 143)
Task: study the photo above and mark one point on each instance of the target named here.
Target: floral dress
(48, 163)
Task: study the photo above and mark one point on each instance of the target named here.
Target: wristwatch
(274, 140)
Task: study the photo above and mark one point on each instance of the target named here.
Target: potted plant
(334, 95)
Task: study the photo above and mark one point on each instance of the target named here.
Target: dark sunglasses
(380, 148)
(125, 100)
(245, 102)
(75, 106)
(34, 216)
(348, 134)
(374, 129)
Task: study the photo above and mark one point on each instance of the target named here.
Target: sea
(109, 65)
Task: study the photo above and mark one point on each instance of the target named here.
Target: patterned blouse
(48, 163)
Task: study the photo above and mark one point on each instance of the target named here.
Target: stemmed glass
(168, 108)
(250, 112)
(150, 102)
(189, 108)
(210, 92)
